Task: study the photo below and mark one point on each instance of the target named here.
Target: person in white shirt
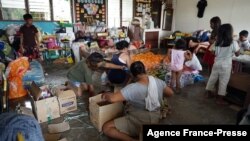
(244, 43)
(224, 49)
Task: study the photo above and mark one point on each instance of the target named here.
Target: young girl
(208, 57)
(224, 49)
(192, 64)
(177, 62)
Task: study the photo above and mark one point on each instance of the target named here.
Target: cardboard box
(100, 112)
(44, 109)
(67, 100)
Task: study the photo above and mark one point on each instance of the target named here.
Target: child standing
(192, 63)
(244, 44)
(208, 57)
(224, 50)
(177, 61)
(29, 43)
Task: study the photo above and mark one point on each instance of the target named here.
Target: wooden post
(1, 14)
(51, 10)
(27, 7)
(120, 13)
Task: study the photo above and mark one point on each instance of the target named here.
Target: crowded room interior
(98, 70)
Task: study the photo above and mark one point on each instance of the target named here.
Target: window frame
(27, 9)
(120, 12)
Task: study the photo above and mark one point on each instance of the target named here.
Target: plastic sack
(76, 50)
(15, 73)
(12, 29)
(51, 43)
(35, 74)
(185, 80)
(2, 67)
(70, 59)
(4, 46)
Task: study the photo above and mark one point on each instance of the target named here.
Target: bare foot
(221, 101)
(178, 91)
(209, 94)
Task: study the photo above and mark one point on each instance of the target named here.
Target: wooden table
(168, 42)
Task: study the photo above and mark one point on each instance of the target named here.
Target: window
(61, 10)
(40, 9)
(127, 12)
(13, 9)
(114, 12)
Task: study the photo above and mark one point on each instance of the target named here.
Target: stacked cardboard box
(49, 108)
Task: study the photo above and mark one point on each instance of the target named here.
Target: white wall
(235, 12)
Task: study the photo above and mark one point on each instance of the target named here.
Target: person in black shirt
(29, 42)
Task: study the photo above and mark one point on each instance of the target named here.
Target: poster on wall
(90, 8)
(141, 7)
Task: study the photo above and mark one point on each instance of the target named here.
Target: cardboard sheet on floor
(101, 112)
(52, 137)
(64, 139)
(58, 128)
(27, 111)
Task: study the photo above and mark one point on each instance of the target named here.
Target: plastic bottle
(104, 78)
(49, 115)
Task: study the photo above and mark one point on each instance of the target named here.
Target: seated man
(80, 75)
(143, 104)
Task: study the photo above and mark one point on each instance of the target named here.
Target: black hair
(27, 16)
(244, 33)
(192, 49)
(94, 59)
(181, 44)
(225, 35)
(121, 45)
(216, 21)
(188, 39)
(137, 68)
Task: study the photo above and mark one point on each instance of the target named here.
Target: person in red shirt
(29, 41)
